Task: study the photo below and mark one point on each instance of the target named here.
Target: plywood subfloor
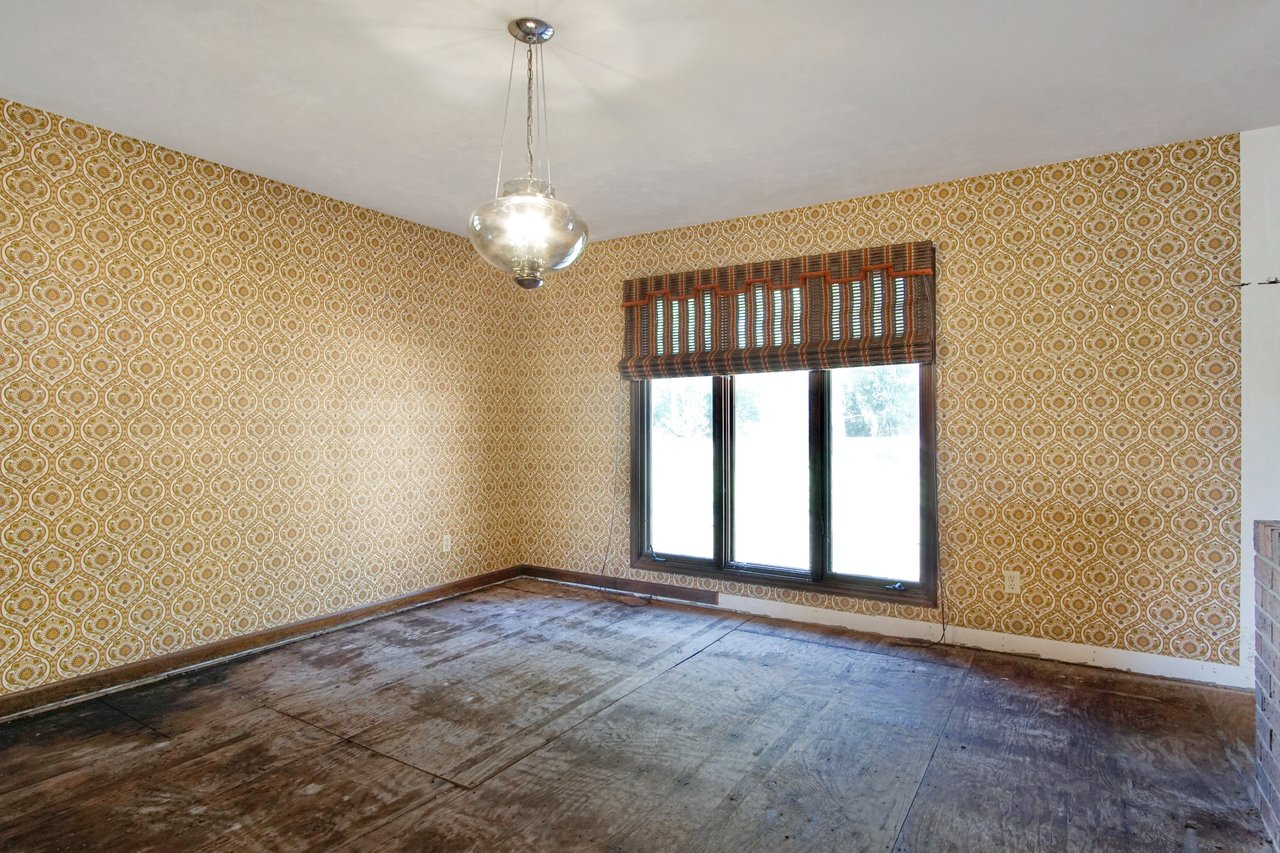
(532, 716)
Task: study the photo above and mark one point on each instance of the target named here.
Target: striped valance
(858, 307)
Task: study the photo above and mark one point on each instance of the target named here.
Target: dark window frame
(819, 579)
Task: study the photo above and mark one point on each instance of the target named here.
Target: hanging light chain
(529, 112)
(543, 124)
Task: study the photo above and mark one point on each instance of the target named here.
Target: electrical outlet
(1013, 582)
(446, 544)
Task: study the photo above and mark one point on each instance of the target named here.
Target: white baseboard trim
(1225, 675)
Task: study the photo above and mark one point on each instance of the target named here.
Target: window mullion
(722, 476)
(640, 456)
(819, 473)
(928, 481)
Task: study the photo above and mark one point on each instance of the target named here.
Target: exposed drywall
(1088, 393)
(225, 403)
(1259, 347)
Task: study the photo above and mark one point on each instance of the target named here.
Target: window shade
(844, 309)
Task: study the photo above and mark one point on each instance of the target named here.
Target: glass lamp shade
(526, 232)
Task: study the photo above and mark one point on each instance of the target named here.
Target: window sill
(913, 595)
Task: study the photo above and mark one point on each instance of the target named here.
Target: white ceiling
(663, 112)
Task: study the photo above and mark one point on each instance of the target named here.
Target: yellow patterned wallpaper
(226, 403)
(1088, 392)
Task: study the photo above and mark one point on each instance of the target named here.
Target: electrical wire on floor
(627, 600)
(942, 608)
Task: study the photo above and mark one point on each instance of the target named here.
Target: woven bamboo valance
(844, 309)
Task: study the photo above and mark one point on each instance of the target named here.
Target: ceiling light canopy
(525, 230)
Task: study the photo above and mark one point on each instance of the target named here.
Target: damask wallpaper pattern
(226, 404)
(1088, 393)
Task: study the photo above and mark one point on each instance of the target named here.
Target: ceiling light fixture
(524, 230)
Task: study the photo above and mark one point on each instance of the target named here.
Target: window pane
(680, 467)
(875, 472)
(771, 469)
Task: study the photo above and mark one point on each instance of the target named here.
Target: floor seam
(125, 713)
(590, 717)
(450, 658)
(459, 656)
(761, 711)
(455, 789)
(362, 746)
(942, 731)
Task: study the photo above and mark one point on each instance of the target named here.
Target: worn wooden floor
(533, 716)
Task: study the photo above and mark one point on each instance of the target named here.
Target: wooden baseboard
(661, 590)
(117, 678)
(82, 687)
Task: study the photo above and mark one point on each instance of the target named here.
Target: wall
(1088, 394)
(226, 404)
(1259, 344)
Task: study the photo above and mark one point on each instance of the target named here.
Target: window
(811, 479)
(782, 422)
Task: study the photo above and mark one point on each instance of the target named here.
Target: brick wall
(1266, 562)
